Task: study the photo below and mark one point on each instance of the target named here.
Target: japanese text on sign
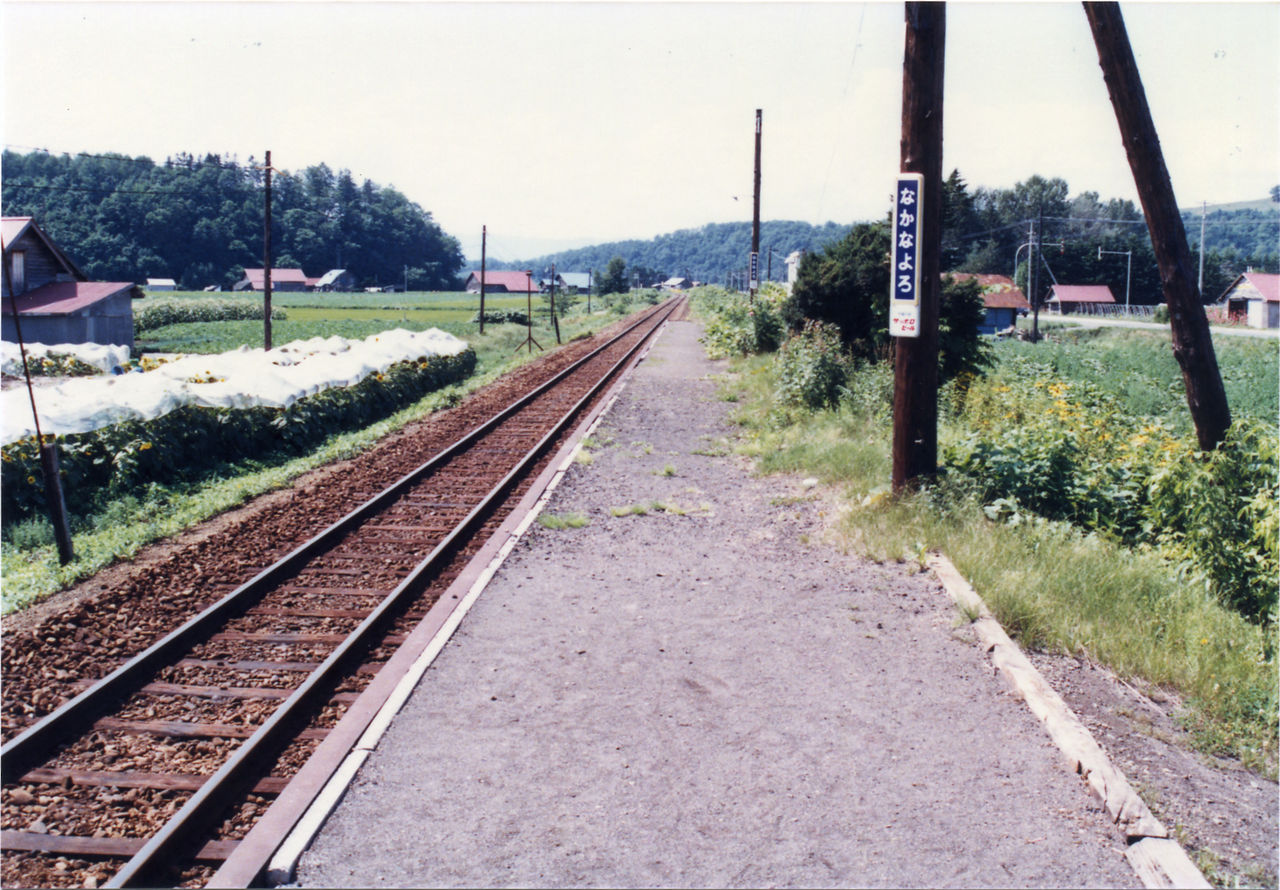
(904, 296)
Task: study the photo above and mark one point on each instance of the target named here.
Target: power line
(168, 162)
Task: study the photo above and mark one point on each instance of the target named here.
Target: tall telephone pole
(755, 216)
(1192, 345)
(266, 262)
(915, 384)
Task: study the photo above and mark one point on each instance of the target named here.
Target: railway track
(153, 774)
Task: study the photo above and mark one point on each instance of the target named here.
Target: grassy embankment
(1053, 584)
(120, 527)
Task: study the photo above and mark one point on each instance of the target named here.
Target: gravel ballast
(689, 691)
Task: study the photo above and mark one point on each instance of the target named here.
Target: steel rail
(34, 744)
(275, 732)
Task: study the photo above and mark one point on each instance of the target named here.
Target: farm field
(117, 523)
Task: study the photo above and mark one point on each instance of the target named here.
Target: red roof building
(1002, 299)
(1068, 298)
(498, 282)
(55, 302)
(1254, 298)
(281, 280)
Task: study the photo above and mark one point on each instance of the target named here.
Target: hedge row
(182, 445)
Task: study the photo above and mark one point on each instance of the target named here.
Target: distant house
(1069, 298)
(544, 284)
(159, 284)
(56, 302)
(501, 282)
(281, 280)
(1002, 299)
(1253, 298)
(578, 282)
(336, 280)
(676, 283)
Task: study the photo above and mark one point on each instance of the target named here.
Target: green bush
(736, 326)
(513, 316)
(151, 314)
(125, 457)
(812, 368)
(1071, 450)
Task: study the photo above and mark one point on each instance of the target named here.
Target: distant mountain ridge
(708, 253)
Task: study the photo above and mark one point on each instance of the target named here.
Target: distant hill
(707, 254)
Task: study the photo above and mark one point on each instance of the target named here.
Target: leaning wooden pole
(266, 259)
(1192, 344)
(915, 385)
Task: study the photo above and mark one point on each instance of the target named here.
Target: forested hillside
(705, 254)
(200, 220)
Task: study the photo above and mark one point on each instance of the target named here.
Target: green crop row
(124, 458)
(152, 314)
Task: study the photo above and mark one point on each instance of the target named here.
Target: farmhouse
(501, 282)
(1002, 299)
(1078, 298)
(336, 280)
(55, 301)
(544, 284)
(676, 283)
(1254, 298)
(281, 280)
(160, 284)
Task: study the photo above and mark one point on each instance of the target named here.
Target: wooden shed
(499, 282)
(55, 301)
(1078, 298)
(282, 280)
(1254, 298)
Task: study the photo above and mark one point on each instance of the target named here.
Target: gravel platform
(701, 696)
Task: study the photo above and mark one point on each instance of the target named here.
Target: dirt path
(695, 697)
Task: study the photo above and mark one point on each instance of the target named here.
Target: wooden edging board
(1159, 860)
(274, 845)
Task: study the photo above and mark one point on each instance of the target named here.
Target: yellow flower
(31, 480)
(145, 446)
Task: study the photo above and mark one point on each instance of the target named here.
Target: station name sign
(904, 296)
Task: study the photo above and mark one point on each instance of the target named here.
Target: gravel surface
(695, 695)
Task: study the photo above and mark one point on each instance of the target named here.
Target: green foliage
(150, 314)
(55, 364)
(737, 326)
(847, 285)
(186, 443)
(812, 368)
(1071, 450)
(199, 220)
(511, 316)
(1220, 511)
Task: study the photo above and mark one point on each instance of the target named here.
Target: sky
(565, 124)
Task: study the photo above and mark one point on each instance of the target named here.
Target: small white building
(159, 284)
(1254, 298)
(793, 267)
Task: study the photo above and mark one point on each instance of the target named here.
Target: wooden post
(484, 239)
(266, 262)
(555, 321)
(915, 385)
(753, 271)
(53, 495)
(1192, 343)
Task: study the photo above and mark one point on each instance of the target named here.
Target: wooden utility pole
(484, 238)
(266, 262)
(754, 271)
(555, 321)
(915, 384)
(53, 495)
(1192, 344)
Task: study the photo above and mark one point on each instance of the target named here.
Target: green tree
(614, 278)
(847, 285)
